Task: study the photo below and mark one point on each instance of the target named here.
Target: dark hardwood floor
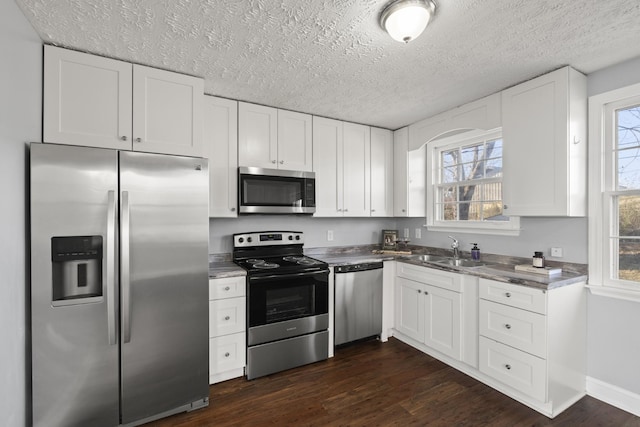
(379, 384)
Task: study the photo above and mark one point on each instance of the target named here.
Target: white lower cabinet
(528, 343)
(227, 328)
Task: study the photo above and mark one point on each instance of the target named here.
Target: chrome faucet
(454, 246)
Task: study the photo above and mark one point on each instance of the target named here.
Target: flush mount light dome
(405, 20)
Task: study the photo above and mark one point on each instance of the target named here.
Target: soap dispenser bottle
(475, 252)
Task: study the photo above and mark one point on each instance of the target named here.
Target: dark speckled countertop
(498, 267)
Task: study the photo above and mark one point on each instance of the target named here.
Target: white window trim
(599, 282)
(502, 228)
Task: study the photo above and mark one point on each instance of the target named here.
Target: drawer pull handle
(508, 326)
(226, 318)
(226, 288)
(507, 366)
(227, 354)
(508, 294)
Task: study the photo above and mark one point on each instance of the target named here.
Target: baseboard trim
(614, 395)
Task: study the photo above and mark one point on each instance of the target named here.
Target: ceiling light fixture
(405, 20)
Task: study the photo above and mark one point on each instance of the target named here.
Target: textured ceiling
(331, 58)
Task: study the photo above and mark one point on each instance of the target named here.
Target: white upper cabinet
(294, 141)
(545, 152)
(257, 136)
(101, 102)
(275, 139)
(220, 146)
(409, 177)
(327, 165)
(484, 113)
(381, 172)
(356, 165)
(87, 100)
(167, 112)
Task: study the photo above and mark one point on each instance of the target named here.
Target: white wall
(613, 338)
(346, 231)
(20, 122)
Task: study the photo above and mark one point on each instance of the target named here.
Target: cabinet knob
(138, 139)
(507, 294)
(233, 209)
(226, 288)
(419, 291)
(339, 210)
(227, 317)
(227, 354)
(508, 367)
(124, 137)
(346, 210)
(508, 326)
(505, 207)
(373, 210)
(273, 161)
(404, 210)
(282, 162)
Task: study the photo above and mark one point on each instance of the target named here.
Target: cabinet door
(167, 112)
(539, 146)
(294, 141)
(356, 165)
(257, 136)
(443, 321)
(381, 172)
(409, 308)
(87, 100)
(227, 316)
(327, 164)
(409, 171)
(220, 146)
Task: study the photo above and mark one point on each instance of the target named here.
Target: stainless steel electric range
(287, 301)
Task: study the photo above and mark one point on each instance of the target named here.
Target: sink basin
(430, 258)
(460, 262)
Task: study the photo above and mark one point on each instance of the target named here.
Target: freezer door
(73, 289)
(164, 283)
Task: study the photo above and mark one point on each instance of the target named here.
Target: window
(614, 206)
(465, 184)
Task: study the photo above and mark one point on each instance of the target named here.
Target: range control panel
(268, 238)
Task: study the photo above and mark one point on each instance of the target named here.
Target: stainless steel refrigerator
(119, 285)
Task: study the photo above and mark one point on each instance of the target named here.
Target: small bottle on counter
(475, 252)
(538, 260)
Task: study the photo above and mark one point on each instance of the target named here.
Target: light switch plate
(556, 252)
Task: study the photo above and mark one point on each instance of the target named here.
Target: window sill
(632, 295)
(469, 228)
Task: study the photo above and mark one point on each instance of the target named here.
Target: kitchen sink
(430, 258)
(460, 262)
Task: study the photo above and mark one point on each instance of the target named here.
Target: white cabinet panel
(327, 165)
(514, 295)
(87, 100)
(409, 309)
(545, 153)
(517, 369)
(220, 146)
(257, 136)
(227, 287)
(409, 177)
(356, 167)
(381, 172)
(443, 321)
(167, 112)
(227, 316)
(295, 148)
(226, 353)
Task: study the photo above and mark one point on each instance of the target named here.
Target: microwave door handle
(112, 307)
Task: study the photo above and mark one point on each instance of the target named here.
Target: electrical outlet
(556, 252)
(330, 235)
(418, 233)
(406, 233)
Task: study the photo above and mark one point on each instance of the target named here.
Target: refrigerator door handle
(125, 269)
(111, 267)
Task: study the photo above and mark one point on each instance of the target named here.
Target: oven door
(284, 306)
(275, 191)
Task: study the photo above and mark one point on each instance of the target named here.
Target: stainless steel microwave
(274, 191)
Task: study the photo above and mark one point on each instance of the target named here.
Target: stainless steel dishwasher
(358, 301)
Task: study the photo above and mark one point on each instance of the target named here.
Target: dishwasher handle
(358, 267)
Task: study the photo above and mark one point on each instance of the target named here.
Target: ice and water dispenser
(77, 269)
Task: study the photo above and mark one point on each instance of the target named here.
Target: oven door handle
(287, 276)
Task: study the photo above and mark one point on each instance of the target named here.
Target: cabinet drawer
(517, 328)
(514, 295)
(522, 371)
(227, 316)
(226, 353)
(430, 276)
(227, 287)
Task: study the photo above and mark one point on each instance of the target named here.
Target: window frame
(434, 148)
(602, 134)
